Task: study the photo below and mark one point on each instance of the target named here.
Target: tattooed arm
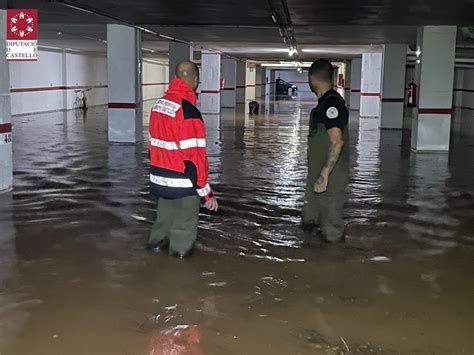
(335, 147)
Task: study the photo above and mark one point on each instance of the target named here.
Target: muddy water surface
(75, 280)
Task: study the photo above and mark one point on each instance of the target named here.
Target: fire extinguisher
(412, 94)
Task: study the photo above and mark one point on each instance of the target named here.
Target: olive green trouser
(325, 209)
(176, 221)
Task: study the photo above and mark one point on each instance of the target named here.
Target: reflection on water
(75, 279)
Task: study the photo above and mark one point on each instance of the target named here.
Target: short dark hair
(321, 69)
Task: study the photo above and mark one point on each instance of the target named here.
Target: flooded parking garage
(82, 161)
(76, 280)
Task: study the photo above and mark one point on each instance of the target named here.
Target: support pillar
(347, 84)
(371, 84)
(260, 77)
(458, 87)
(241, 75)
(65, 105)
(210, 82)
(178, 52)
(356, 70)
(229, 72)
(250, 83)
(435, 75)
(124, 84)
(6, 152)
(393, 85)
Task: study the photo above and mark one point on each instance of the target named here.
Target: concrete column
(260, 78)
(356, 70)
(210, 82)
(347, 84)
(178, 52)
(6, 152)
(250, 83)
(393, 85)
(458, 87)
(229, 72)
(273, 82)
(241, 75)
(371, 84)
(124, 84)
(432, 119)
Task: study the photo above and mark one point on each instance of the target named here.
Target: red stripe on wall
(52, 88)
(241, 87)
(355, 90)
(435, 111)
(5, 127)
(129, 105)
(399, 99)
(370, 94)
(228, 89)
(78, 87)
(210, 91)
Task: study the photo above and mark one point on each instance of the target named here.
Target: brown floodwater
(75, 279)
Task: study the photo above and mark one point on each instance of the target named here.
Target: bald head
(189, 72)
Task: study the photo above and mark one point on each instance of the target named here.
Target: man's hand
(321, 184)
(212, 204)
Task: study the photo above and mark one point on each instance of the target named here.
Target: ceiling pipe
(138, 27)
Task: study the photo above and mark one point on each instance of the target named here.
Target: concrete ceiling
(338, 28)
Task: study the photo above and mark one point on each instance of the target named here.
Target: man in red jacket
(179, 167)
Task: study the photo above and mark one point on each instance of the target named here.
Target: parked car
(285, 88)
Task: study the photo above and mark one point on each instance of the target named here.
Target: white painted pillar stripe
(6, 150)
(393, 86)
(432, 122)
(210, 82)
(124, 84)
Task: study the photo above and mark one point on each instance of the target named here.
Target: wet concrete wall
(49, 83)
(293, 77)
(155, 79)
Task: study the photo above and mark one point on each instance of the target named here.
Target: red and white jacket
(177, 145)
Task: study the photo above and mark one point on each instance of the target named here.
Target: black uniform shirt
(331, 112)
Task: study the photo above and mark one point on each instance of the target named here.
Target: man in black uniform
(328, 156)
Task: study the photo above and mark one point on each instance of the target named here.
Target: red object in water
(180, 340)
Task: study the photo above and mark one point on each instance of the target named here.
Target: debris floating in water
(380, 258)
(345, 344)
(208, 273)
(217, 284)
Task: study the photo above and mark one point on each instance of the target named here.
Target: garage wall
(49, 83)
(155, 78)
(300, 80)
